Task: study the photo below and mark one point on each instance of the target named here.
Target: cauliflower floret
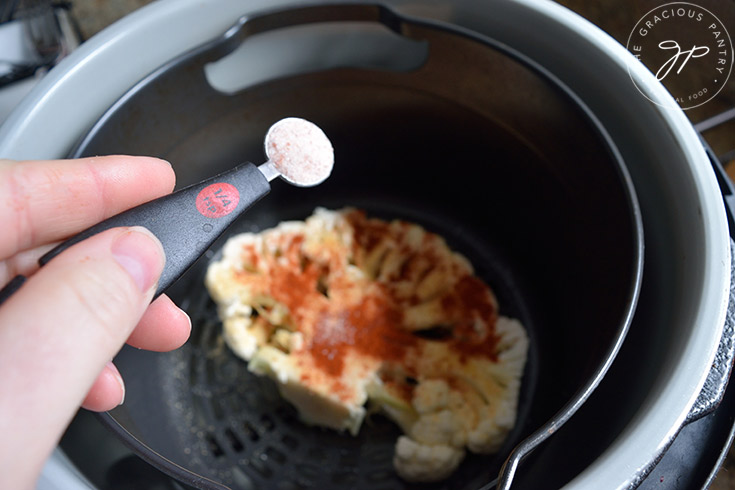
(436, 424)
(341, 309)
(460, 404)
(436, 428)
(315, 407)
(431, 395)
(425, 463)
(490, 433)
(242, 341)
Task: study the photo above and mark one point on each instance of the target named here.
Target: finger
(164, 327)
(59, 330)
(34, 194)
(23, 263)
(107, 392)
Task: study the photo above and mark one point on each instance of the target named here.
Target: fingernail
(141, 255)
(188, 318)
(113, 369)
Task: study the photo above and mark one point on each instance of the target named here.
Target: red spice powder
(368, 233)
(293, 283)
(471, 306)
(399, 387)
(373, 327)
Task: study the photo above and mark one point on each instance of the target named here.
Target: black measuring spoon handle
(186, 222)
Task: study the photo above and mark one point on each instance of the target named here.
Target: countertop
(614, 16)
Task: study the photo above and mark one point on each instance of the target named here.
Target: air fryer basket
(470, 140)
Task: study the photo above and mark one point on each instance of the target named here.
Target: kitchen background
(81, 19)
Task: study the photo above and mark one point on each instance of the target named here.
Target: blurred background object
(34, 36)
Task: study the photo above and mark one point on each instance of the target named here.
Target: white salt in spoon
(188, 221)
(299, 152)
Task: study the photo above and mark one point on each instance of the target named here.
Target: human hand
(59, 332)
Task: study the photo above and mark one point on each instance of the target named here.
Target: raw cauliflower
(336, 311)
(456, 405)
(422, 463)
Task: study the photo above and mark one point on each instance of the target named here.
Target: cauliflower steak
(349, 314)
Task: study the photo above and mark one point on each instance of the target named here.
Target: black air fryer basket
(431, 124)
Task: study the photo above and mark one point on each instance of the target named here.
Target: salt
(300, 151)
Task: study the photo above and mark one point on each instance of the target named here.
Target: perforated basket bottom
(243, 434)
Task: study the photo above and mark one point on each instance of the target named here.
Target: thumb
(60, 330)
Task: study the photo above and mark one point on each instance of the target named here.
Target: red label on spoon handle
(217, 200)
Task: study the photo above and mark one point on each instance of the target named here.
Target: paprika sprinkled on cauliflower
(343, 310)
